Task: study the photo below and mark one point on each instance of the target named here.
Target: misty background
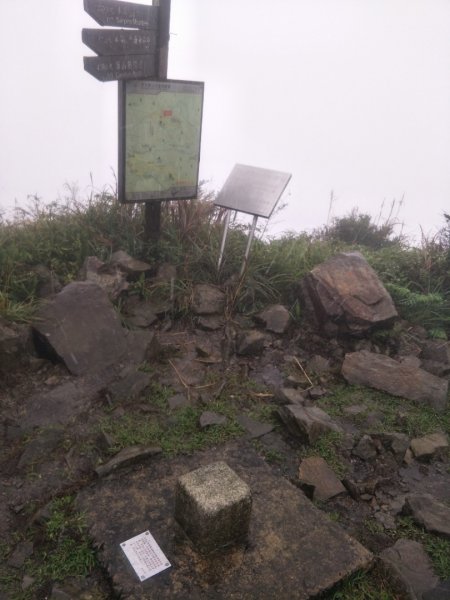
(350, 96)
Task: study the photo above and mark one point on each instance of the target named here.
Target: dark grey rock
(430, 514)
(82, 328)
(317, 392)
(141, 314)
(111, 279)
(440, 592)
(255, 429)
(436, 350)
(275, 318)
(40, 448)
(384, 373)
(27, 582)
(317, 475)
(397, 443)
(209, 323)
(23, 551)
(346, 294)
(430, 445)
(128, 264)
(435, 368)
(409, 567)
(132, 385)
(365, 448)
(13, 347)
(386, 520)
(287, 395)
(127, 457)
(318, 365)
(178, 401)
(208, 300)
(48, 283)
(209, 418)
(250, 343)
(308, 423)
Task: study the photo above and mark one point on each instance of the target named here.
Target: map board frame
(253, 190)
(159, 165)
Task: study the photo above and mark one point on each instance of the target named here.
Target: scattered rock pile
(77, 363)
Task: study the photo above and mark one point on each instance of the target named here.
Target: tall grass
(61, 235)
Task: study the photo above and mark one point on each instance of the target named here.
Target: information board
(253, 190)
(159, 139)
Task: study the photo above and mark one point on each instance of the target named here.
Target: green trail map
(162, 139)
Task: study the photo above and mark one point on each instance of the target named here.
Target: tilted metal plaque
(253, 190)
(159, 139)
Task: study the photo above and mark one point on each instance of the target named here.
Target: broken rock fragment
(275, 318)
(319, 478)
(308, 423)
(429, 445)
(207, 300)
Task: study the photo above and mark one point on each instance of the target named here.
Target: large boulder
(345, 294)
(82, 328)
(399, 379)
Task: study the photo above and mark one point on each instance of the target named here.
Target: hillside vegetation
(59, 237)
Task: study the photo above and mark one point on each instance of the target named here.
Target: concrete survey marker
(213, 506)
(293, 549)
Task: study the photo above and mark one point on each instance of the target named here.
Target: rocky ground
(93, 410)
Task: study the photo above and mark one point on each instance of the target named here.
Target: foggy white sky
(348, 95)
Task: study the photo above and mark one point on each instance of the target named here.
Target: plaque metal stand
(254, 191)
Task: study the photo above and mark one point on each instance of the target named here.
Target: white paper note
(145, 556)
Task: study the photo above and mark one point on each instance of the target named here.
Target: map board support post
(249, 244)
(152, 225)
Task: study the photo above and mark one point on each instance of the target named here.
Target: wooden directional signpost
(137, 58)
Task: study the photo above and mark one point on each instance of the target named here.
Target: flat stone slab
(291, 544)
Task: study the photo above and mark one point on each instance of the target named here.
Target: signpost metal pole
(249, 243)
(224, 238)
(152, 226)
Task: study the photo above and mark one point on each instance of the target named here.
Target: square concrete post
(213, 506)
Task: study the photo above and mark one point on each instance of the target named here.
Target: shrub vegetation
(60, 235)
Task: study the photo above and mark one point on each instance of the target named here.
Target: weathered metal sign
(253, 190)
(110, 42)
(159, 139)
(111, 68)
(114, 13)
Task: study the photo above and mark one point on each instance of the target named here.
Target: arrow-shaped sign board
(110, 68)
(111, 42)
(114, 13)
